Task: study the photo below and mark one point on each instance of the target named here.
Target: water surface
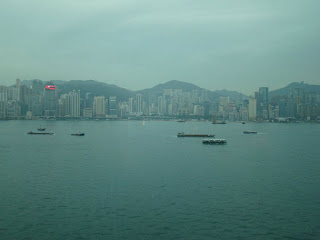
(137, 180)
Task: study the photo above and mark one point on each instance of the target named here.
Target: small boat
(77, 134)
(243, 122)
(41, 129)
(181, 120)
(214, 141)
(250, 132)
(194, 135)
(39, 133)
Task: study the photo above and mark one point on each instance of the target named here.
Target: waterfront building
(113, 106)
(139, 104)
(87, 112)
(73, 104)
(3, 101)
(99, 107)
(252, 109)
(50, 100)
(131, 106)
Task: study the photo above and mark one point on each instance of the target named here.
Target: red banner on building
(51, 87)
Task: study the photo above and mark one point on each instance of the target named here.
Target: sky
(136, 44)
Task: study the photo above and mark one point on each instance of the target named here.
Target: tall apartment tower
(73, 104)
(99, 107)
(131, 105)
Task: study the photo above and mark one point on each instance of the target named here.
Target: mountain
(288, 89)
(188, 87)
(173, 84)
(104, 89)
(96, 88)
(29, 82)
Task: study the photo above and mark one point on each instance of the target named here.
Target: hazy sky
(136, 44)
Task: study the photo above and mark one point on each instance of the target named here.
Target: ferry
(214, 141)
(194, 135)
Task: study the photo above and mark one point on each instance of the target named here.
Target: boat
(41, 129)
(214, 141)
(77, 134)
(219, 122)
(250, 132)
(39, 133)
(243, 122)
(194, 135)
(181, 120)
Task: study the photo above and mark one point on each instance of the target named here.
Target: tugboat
(77, 134)
(39, 133)
(214, 141)
(250, 132)
(194, 135)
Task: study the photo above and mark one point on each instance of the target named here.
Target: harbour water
(138, 180)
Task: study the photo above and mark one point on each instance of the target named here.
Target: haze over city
(137, 44)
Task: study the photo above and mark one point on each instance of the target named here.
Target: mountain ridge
(104, 89)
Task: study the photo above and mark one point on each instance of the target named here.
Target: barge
(194, 135)
(214, 141)
(39, 133)
(250, 132)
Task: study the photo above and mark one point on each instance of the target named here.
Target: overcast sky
(136, 44)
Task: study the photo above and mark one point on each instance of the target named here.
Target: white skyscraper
(73, 104)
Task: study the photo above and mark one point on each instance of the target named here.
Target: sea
(138, 180)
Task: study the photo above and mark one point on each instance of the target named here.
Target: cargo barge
(39, 133)
(250, 132)
(214, 141)
(194, 135)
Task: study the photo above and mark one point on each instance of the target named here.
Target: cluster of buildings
(42, 100)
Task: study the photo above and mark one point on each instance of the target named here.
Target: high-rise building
(113, 105)
(252, 109)
(3, 101)
(139, 103)
(37, 87)
(131, 105)
(224, 102)
(88, 100)
(262, 103)
(50, 100)
(73, 104)
(99, 106)
(162, 105)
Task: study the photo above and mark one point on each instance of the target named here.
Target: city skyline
(174, 100)
(215, 45)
